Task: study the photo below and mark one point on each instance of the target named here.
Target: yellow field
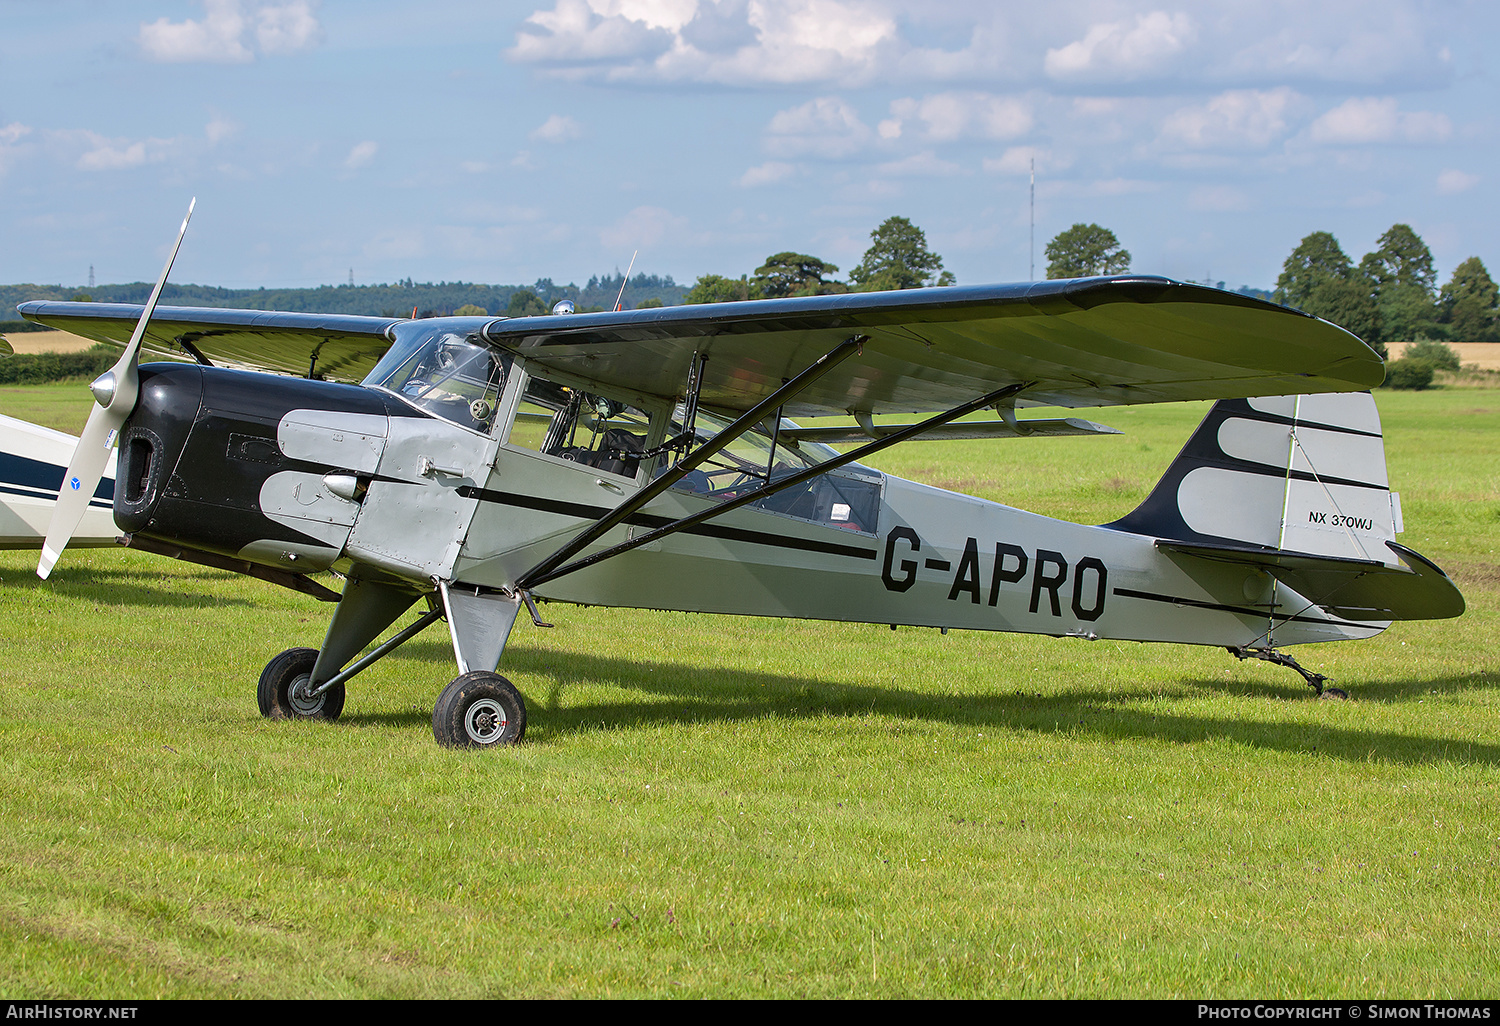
(1486, 355)
(46, 342)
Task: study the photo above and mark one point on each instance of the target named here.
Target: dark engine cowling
(201, 443)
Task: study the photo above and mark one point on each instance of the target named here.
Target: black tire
(281, 683)
(1338, 694)
(479, 710)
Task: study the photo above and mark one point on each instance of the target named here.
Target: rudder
(1300, 473)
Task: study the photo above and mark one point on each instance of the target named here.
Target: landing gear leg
(1270, 655)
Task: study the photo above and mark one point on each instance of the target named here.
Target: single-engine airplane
(658, 459)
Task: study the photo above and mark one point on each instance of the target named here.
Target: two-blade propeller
(115, 392)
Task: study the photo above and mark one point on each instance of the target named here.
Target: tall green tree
(1319, 277)
(715, 288)
(1469, 303)
(1317, 258)
(1404, 282)
(1401, 258)
(1084, 251)
(898, 258)
(795, 274)
(525, 303)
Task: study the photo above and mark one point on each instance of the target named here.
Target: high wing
(1072, 343)
(336, 347)
(1079, 342)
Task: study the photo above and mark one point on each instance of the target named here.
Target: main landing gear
(286, 693)
(477, 710)
(1315, 681)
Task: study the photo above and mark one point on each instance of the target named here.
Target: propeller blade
(115, 392)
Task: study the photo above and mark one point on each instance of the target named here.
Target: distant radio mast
(1032, 250)
(351, 277)
(91, 275)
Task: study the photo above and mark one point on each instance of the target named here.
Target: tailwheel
(479, 710)
(1316, 681)
(285, 689)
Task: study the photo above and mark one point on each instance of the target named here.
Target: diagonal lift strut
(751, 417)
(554, 567)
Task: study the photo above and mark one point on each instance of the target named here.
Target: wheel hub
(485, 721)
(303, 703)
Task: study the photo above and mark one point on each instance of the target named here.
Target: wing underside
(1085, 342)
(337, 347)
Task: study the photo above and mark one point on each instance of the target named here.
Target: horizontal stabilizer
(1354, 589)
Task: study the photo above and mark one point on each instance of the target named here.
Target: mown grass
(710, 806)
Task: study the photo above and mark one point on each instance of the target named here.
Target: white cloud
(767, 174)
(1238, 119)
(1452, 181)
(1369, 41)
(361, 154)
(110, 154)
(286, 28)
(643, 228)
(726, 41)
(1018, 161)
(948, 116)
(219, 128)
(825, 127)
(558, 128)
(1119, 50)
(220, 38)
(1373, 119)
(590, 30)
(1218, 199)
(215, 39)
(926, 164)
(10, 136)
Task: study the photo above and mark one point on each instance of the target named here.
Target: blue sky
(505, 142)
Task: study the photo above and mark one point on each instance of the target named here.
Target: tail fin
(1303, 473)
(1296, 486)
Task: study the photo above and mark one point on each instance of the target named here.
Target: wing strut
(544, 571)
(540, 576)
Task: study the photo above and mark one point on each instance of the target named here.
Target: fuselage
(305, 475)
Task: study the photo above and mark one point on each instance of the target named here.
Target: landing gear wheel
(284, 684)
(479, 710)
(1338, 693)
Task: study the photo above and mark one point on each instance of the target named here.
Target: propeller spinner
(115, 392)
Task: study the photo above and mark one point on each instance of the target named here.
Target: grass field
(717, 807)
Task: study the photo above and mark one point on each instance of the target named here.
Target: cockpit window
(848, 497)
(590, 429)
(448, 374)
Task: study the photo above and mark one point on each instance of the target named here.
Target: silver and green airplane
(671, 459)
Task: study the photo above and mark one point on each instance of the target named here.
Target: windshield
(444, 372)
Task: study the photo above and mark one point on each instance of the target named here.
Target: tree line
(898, 258)
(1391, 295)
